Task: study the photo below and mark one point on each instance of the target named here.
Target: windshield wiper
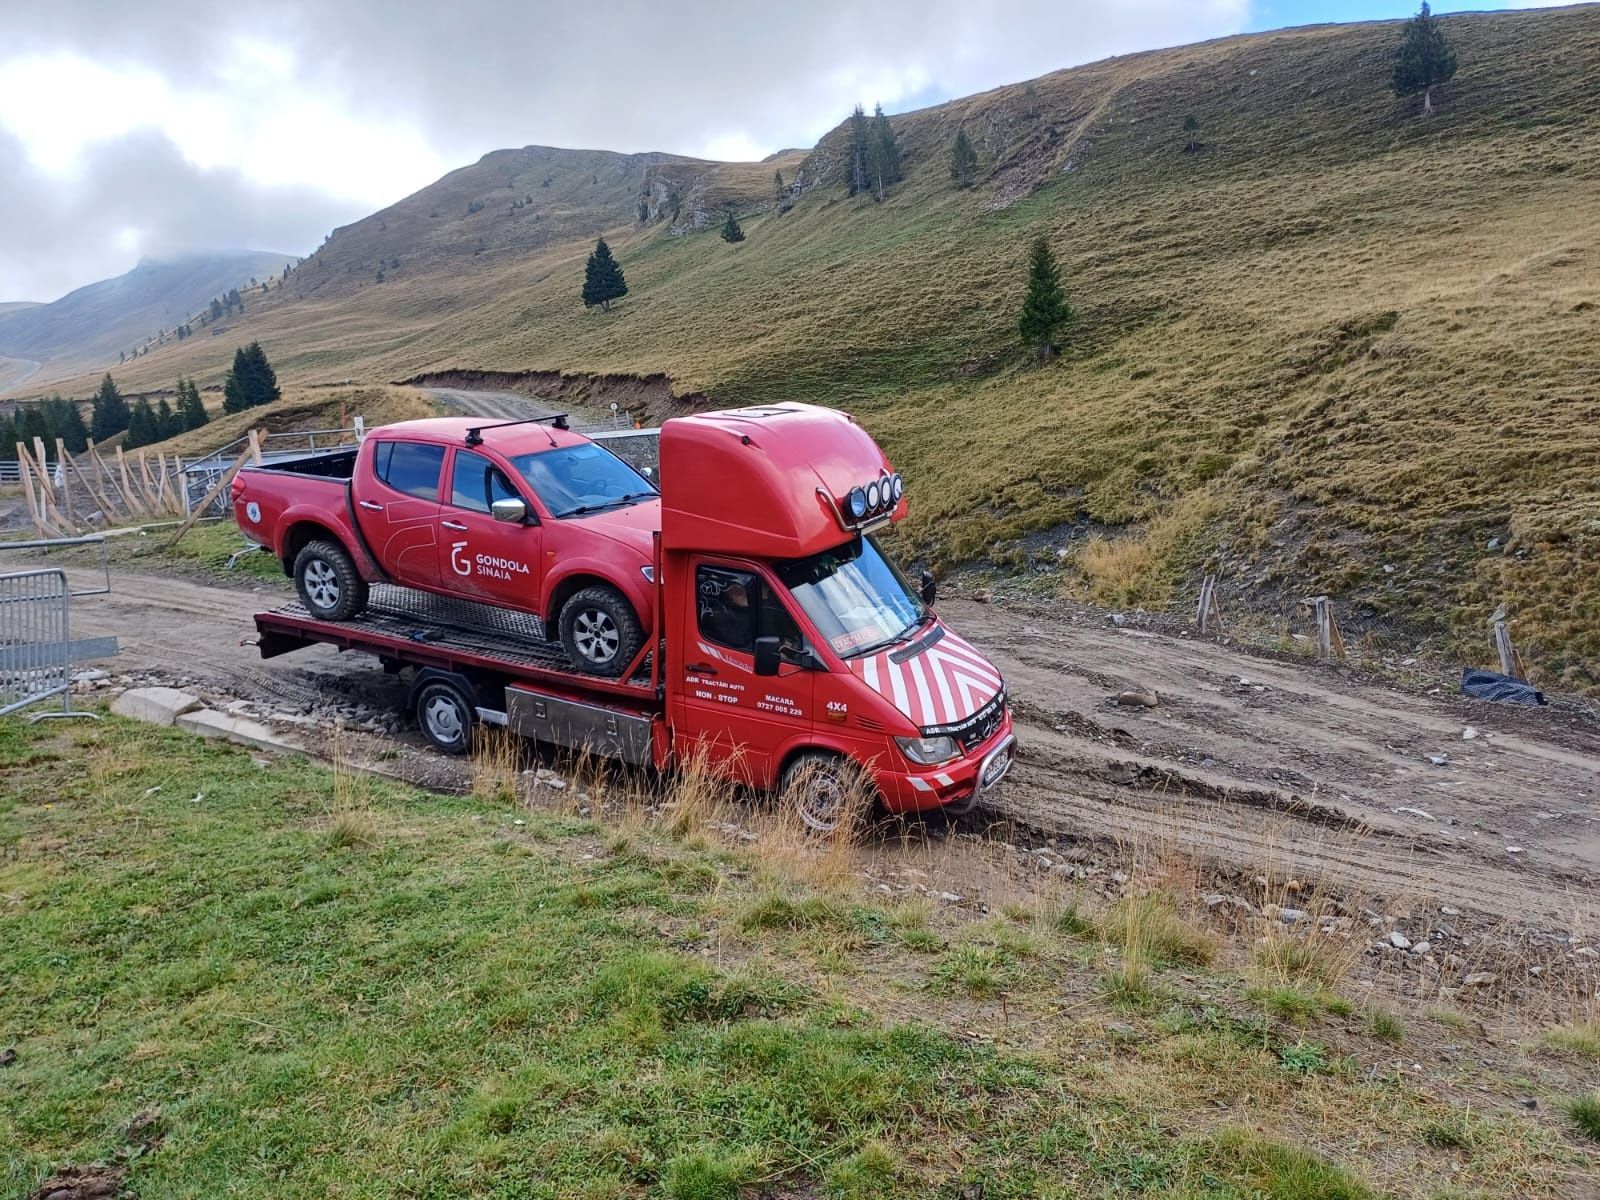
(603, 505)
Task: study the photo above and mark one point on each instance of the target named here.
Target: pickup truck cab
(524, 515)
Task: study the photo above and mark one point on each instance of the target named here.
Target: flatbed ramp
(413, 628)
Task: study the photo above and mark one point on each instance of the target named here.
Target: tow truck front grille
(976, 729)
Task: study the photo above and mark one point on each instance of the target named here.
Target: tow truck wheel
(445, 716)
(824, 789)
(599, 631)
(329, 585)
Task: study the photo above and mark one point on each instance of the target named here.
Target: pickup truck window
(581, 479)
(476, 483)
(410, 467)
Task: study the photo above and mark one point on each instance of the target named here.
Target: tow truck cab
(790, 636)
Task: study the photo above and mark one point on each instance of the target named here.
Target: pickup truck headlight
(928, 751)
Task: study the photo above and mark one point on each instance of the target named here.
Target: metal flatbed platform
(415, 628)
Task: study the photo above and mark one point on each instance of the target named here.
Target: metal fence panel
(36, 647)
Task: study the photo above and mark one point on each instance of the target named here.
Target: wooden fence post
(1330, 643)
(1510, 660)
(216, 490)
(1209, 610)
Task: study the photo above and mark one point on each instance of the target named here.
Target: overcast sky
(155, 128)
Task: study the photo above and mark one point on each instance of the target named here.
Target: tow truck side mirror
(930, 588)
(512, 510)
(769, 651)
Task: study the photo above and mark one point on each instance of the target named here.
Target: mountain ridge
(1341, 348)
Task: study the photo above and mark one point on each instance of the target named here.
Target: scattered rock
(1290, 915)
(1439, 760)
(1480, 979)
(1421, 947)
(1399, 940)
(1468, 734)
(1137, 698)
(8, 1056)
(949, 897)
(155, 705)
(1529, 1103)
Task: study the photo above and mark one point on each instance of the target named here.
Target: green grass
(450, 1004)
(1584, 1112)
(1581, 1040)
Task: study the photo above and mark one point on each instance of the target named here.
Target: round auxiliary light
(897, 487)
(874, 496)
(857, 500)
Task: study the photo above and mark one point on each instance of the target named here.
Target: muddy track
(1251, 765)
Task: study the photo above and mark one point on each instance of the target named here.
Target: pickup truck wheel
(827, 791)
(599, 631)
(329, 585)
(445, 716)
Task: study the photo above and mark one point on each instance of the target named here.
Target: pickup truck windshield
(854, 596)
(582, 479)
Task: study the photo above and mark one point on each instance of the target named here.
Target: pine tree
(73, 433)
(110, 414)
(730, 229)
(779, 192)
(883, 154)
(236, 389)
(963, 160)
(1044, 308)
(191, 411)
(8, 440)
(602, 278)
(1423, 60)
(1191, 126)
(168, 424)
(856, 174)
(265, 378)
(31, 424)
(141, 425)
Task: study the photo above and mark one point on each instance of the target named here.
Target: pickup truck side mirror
(512, 510)
(930, 588)
(769, 651)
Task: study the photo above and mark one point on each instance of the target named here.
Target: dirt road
(1252, 764)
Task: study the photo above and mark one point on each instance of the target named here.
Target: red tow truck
(783, 649)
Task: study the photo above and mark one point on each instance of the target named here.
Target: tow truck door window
(491, 560)
(729, 713)
(399, 516)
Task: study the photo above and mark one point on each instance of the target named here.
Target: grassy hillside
(1340, 349)
(92, 324)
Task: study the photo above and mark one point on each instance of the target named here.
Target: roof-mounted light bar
(868, 505)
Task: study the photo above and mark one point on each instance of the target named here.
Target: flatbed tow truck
(786, 652)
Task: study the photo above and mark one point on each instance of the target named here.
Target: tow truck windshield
(855, 597)
(575, 480)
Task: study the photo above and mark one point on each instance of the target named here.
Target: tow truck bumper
(959, 786)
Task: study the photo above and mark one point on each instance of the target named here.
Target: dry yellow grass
(1371, 338)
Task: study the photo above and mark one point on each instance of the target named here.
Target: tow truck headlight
(897, 487)
(873, 497)
(928, 752)
(857, 499)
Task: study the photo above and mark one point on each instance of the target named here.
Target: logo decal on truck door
(491, 565)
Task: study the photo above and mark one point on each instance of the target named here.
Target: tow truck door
(739, 721)
(495, 561)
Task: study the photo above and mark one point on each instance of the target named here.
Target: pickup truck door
(485, 559)
(398, 510)
(739, 721)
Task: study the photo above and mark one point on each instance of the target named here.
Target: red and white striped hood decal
(942, 684)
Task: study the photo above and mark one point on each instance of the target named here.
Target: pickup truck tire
(329, 585)
(827, 791)
(445, 715)
(599, 631)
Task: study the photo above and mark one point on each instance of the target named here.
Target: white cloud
(349, 106)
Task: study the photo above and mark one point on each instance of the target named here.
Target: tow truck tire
(445, 715)
(599, 631)
(329, 585)
(822, 788)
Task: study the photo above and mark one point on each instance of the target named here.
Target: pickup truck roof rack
(475, 434)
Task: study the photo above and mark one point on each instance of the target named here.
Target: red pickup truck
(787, 652)
(526, 515)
